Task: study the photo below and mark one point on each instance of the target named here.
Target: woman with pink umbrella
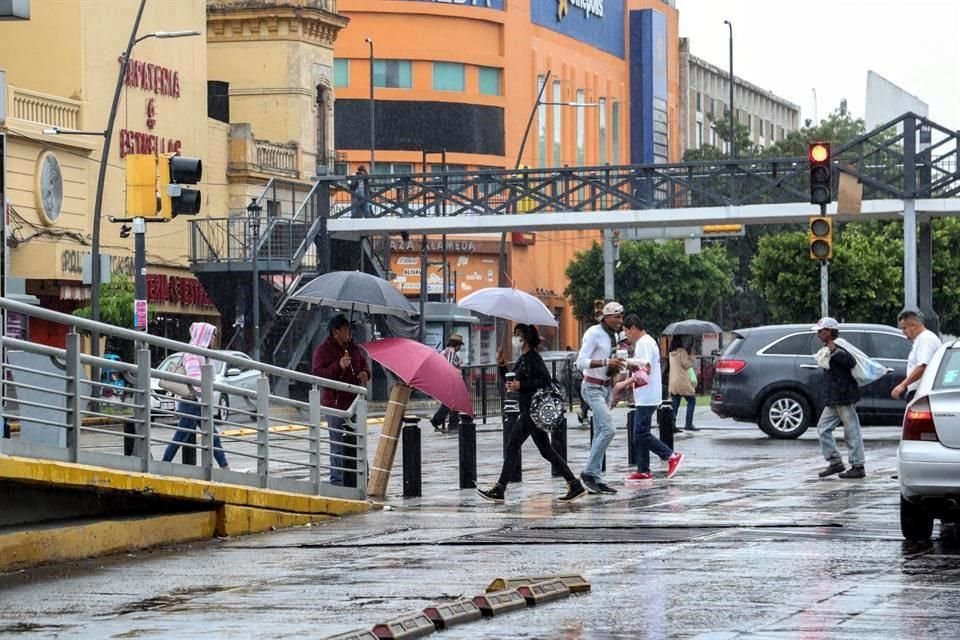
(530, 374)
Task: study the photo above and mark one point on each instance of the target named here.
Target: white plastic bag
(867, 369)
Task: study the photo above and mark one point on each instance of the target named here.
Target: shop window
(557, 124)
(448, 76)
(341, 72)
(490, 81)
(392, 74)
(615, 132)
(581, 126)
(603, 130)
(541, 127)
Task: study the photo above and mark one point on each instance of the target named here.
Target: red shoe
(673, 464)
(639, 475)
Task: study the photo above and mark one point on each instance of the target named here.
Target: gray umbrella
(691, 328)
(355, 291)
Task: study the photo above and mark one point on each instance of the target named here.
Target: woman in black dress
(531, 374)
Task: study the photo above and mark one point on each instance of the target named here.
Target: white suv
(928, 459)
(162, 401)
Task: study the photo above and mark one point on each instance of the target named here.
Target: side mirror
(233, 371)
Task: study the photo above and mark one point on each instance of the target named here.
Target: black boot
(834, 467)
(856, 472)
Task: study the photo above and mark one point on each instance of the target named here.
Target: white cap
(613, 309)
(826, 322)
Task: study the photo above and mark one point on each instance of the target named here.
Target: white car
(162, 400)
(928, 459)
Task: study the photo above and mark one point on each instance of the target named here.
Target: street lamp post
(254, 209)
(733, 153)
(373, 119)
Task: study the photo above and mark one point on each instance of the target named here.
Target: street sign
(140, 315)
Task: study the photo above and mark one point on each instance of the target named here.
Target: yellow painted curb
(66, 474)
(42, 546)
(238, 521)
(284, 428)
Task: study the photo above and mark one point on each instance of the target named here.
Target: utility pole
(140, 274)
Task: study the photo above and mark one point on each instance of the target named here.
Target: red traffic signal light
(821, 188)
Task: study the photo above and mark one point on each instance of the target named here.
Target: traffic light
(141, 185)
(821, 191)
(176, 171)
(821, 237)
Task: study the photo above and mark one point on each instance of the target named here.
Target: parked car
(928, 458)
(767, 375)
(162, 400)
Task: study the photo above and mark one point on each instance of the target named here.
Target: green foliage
(655, 280)
(116, 302)
(946, 273)
(838, 128)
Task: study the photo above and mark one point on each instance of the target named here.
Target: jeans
(523, 429)
(691, 407)
(829, 419)
(598, 397)
(644, 441)
(187, 432)
(342, 444)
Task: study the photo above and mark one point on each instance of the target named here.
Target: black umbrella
(691, 328)
(355, 291)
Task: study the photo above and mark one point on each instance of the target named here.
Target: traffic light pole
(140, 274)
(824, 278)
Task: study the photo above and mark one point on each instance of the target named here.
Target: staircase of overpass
(283, 239)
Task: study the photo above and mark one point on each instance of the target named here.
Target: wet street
(745, 542)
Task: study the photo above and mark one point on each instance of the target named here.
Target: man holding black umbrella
(339, 358)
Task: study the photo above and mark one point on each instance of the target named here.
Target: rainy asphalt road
(745, 542)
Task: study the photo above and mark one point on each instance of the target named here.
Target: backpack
(547, 406)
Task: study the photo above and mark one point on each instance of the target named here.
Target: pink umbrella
(422, 368)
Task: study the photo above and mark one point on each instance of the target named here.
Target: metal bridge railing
(125, 421)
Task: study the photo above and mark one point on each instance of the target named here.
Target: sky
(824, 48)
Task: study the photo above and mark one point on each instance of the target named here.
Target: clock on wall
(49, 187)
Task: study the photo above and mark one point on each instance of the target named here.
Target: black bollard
(6, 429)
(603, 463)
(129, 429)
(665, 421)
(411, 460)
(467, 439)
(558, 440)
(631, 454)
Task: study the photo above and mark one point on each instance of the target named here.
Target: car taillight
(729, 367)
(918, 422)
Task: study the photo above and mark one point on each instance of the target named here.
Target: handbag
(693, 376)
(177, 388)
(640, 378)
(547, 406)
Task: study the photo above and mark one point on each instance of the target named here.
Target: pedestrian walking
(439, 419)
(841, 396)
(925, 344)
(339, 358)
(530, 374)
(682, 382)
(360, 189)
(203, 335)
(597, 359)
(646, 399)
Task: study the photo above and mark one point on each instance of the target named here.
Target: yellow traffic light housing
(175, 171)
(820, 230)
(141, 185)
(821, 180)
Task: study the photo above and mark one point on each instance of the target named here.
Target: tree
(116, 308)
(655, 280)
(838, 128)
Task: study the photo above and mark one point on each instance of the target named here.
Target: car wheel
(223, 407)
(916, 523)
(785, 415)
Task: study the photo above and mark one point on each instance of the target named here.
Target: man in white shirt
(598, 362)
(646, 399)
(925, 344)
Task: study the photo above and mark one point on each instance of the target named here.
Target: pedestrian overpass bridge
(907, 167)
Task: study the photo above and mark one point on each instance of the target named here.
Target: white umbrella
(509, 303)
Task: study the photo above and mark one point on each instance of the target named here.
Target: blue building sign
(598, 23)
(649, 127)
(483, 4)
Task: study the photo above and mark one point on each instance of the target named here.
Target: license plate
(168, 405)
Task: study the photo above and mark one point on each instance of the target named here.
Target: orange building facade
(455, 84)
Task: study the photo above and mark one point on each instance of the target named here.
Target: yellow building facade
(61, 68)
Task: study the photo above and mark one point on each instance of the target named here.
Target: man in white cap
(841, 394)
(599, 364)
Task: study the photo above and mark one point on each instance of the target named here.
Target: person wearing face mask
(531, 374)
(599, 365)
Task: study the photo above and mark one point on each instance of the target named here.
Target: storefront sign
(590, 7)
(598, 23)
(158, 80)
(176, 290)
(485, 4)
(71, 263)
(152, 77)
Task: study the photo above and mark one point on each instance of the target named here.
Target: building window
(615, 132)
(490, 81)
(341, 72)
(541, 127)
(557, 123)
(448, 76)
(699, 101)
(699, 135)
(393, 74)
(393, 167)
(771, 132)
(603, 131)
(581, 126)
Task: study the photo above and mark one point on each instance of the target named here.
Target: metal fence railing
(122, 419)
